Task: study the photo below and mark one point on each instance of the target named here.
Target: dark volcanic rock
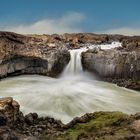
(15, 126)
(3, 120)
(98, 125)
(48, 54)
(85, 38)
(9, 108)
(23, 55)
(115, 64)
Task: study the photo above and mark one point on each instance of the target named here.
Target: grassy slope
(101, 126)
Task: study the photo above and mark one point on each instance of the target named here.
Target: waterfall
(73, 94)
(75, 65)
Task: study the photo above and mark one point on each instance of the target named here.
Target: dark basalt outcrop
(48, 55)
(119, 65)
(24, 55)
(99, 125)
(116, 63)
(15, 126)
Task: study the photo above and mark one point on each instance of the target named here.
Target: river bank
(99, 125)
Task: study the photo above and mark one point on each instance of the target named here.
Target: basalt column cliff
(48, 55)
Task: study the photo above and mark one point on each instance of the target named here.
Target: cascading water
(71, 95)
(74, 66)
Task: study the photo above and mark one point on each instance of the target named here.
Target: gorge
(77, 68)
(72, 94)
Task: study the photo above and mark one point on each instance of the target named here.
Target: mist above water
(73, 94)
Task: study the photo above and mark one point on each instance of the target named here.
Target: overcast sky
(60, 16)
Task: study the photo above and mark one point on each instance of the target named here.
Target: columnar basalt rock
(113, 63)
(48, 54)
(119, 63)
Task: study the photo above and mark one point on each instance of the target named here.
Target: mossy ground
(101, 126)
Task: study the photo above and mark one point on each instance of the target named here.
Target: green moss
(138, 82)
(100, 125)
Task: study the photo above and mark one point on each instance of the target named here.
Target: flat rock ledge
(91, 126)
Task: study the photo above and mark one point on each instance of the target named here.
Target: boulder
(9, 108)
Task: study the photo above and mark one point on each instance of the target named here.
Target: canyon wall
(48, 54)
(119, 65)
(23, 55)
(113, 63)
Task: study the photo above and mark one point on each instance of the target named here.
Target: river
(73, 94)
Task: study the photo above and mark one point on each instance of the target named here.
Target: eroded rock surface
(48, 54)
(99, 125)
(116, 64)
(15, 126)
(24, 55)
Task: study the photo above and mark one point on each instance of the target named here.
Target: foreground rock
(15, 126)
(100, 125)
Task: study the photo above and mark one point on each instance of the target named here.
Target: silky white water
(72, 94)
